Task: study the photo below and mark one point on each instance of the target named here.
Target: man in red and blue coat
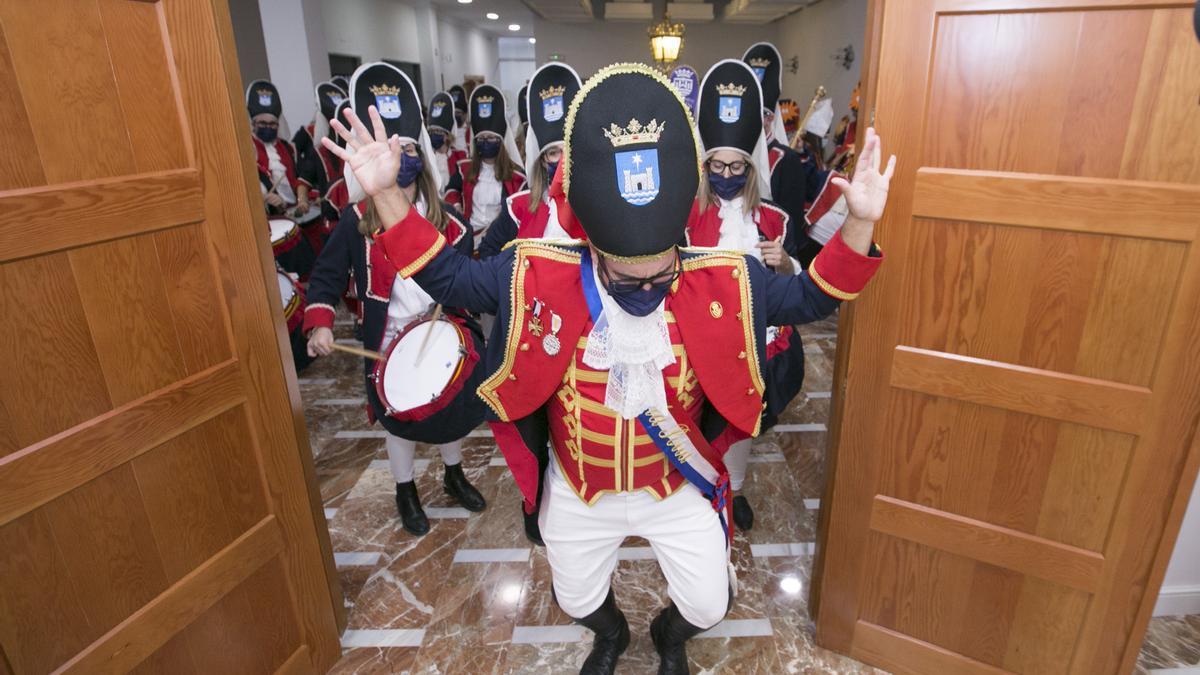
(625, 356)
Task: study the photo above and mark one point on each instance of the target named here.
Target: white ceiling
(475, 15)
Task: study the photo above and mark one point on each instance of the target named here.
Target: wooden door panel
(1022, 390)
(153, 479)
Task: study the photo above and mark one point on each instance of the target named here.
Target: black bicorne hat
(460, 97)
(339, 114)
(631, 162)
(764, 59)
(441, 112)
(729, 111)
(522, 111)
(553, 87)
(262, 97)
(341, 82)
(329, 97)
(391, 92)
(488, 112)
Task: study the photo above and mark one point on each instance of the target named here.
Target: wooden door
(154, 510)
(1017, 432)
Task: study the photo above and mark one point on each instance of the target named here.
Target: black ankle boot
(412, 516)
(743, 515)
(612, 638)
(533, 531)
(460, 488)
(669, 631)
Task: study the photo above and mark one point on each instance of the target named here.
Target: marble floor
(473, 596)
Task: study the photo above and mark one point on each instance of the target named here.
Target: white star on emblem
(637, 161)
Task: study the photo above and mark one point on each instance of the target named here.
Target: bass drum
(431, 399)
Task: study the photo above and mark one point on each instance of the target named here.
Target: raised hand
(375, 160)
(866, 194)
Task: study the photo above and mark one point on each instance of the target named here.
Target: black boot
(743, 515)
(411, 513)
(533, 531)
(464, 493)
(612, 638)
(669, 631)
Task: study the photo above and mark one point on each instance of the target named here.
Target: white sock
(400, 458)
(736, 459)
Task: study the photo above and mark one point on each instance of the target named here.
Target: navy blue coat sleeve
(500, 232)
(457, 280)
(330, 273)
(789, 298)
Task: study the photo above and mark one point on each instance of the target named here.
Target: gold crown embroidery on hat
(634, 132)
(760, 62)
(384, 90)
(731, 89)
(484, 99)
(551, 92)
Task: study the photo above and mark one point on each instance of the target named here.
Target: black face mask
(488, 148)
(266, 134)
(437, 141)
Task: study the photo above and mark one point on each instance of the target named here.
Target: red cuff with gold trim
(411, 243)
(317, 316)
(842, 272)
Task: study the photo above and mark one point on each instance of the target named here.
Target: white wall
(589, 47)
(1180, 593)
(814, 34)
(466, 51)
(409, 31)
(296, 54)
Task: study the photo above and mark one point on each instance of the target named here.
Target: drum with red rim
(292, 296)
(413, 385)
(285, 234)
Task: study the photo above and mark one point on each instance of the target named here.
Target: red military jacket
(463, 197)
(287, 155)
(704, 227)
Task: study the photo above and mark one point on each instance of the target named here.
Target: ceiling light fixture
(514, 26)
(465, 2)
(666, 40)
(493, 16)
(533, 41)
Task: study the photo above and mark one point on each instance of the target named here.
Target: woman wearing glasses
(730, 213)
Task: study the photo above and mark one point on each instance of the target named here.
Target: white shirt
(554, 229)
(407, 300)
(441, 162)
(279, 175)
(739, 232)
(460, 137)
(485, 200)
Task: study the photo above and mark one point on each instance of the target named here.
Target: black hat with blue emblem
(728, 112)
(387, 88)
(459, 95)
(553, 87)
(441, 112)
(262, 98)
(488, 111)
(329, 97)
(631, 162)
(342, 82)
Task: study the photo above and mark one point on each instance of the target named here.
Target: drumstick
(359, 352)
(437, 314)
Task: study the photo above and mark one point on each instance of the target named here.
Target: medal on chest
(550, 343)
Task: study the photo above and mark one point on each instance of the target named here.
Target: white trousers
(401, 451)
(684, 531)
(736, 458)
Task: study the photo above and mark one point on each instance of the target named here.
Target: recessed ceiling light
(514, 26)
(493, 16)
(533, 41)
(464, 2)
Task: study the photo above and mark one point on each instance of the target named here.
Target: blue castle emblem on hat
(437, 109)
(760, 73)
(264, 99)
(336, 99)
(637, 176)
(730, 109)
(552, 108)
(485, 110)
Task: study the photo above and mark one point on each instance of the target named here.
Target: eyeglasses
(736, 168)
(630, 284)
(267, 125)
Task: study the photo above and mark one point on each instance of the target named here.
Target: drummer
(390, 303)
(275, 156)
